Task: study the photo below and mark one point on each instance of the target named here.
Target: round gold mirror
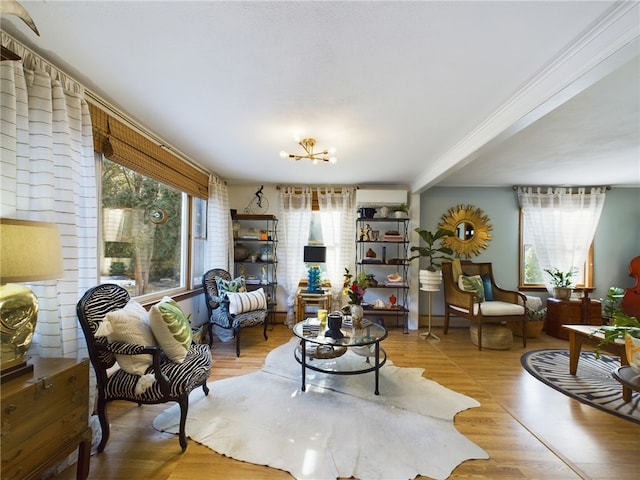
(470, 227)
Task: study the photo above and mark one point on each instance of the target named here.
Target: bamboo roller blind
(121, 144)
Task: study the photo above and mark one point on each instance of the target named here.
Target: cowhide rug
(337, 428)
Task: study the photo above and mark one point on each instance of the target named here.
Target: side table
(629, 379)
(569, 312)
(305, 299)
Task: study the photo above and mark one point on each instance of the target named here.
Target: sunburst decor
(470, 227)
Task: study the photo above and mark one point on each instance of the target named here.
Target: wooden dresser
(44, 417)
(569, 312)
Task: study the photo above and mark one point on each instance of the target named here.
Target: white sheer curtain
(219, 251)
(337, 214)
(294, 220)
(48, 174)
(562, 222)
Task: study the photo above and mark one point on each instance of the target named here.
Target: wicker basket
(534, 328)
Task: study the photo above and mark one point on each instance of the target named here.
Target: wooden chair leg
(210, 333)
(237, 335)
(183, 401)
(264, 331)
(104, 423)
(446, 320)
(480, 336)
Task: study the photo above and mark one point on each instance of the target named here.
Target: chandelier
(315, 157)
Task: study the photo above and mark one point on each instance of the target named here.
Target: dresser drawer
(41, 401)
(44, 417)
(59, 436)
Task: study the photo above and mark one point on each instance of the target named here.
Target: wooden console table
(45, 417)
(562, 312)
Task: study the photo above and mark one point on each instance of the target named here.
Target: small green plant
(623, 324)
(561, 279)
(611, 304)
(432, 252)
(117, 269)
(401, 208)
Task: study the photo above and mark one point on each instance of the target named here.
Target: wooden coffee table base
(580, 334)
(629, 379)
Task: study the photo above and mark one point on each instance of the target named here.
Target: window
(145, 240)
(530, 274)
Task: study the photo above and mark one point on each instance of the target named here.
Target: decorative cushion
(130, 324)
(494, 309)
(171, 328)
(488, 288)
(241, 302)
(225, 286)
(472, 283)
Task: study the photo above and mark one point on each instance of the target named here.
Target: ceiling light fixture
(315, 157)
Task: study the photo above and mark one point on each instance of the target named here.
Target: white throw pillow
(171, 328)
(131, 325)
(246, 301)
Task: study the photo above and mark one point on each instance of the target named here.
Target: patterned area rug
(337, 428)
(592, 384)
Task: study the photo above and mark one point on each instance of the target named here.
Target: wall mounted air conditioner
(379, 197)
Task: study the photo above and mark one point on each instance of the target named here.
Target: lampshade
(29, 251)
(315, 254)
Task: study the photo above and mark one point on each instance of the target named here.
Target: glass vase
(357, 314)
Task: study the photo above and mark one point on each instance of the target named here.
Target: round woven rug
(592, 384)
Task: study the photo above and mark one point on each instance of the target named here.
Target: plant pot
(430, 281)
(632, 351)
(562, 293)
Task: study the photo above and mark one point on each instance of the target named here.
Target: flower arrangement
(355, 288)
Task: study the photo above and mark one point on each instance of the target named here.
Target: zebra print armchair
(172, 382)
(219, 313)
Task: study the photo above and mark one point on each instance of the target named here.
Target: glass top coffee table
(358, 351)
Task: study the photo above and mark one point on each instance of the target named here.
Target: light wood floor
(529, 430)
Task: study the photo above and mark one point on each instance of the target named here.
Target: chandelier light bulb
(333, 160)
(314, 161)
(283, 154)
(332, 151)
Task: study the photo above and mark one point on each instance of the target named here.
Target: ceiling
(409, 93)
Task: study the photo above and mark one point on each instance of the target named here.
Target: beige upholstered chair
(497, 306)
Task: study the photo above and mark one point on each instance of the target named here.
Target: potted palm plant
(434, 252)
(562, 282)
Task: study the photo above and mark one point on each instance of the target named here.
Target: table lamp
(313, 255)
(29, 251)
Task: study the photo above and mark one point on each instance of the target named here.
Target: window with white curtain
(557, 227)
(530, 273)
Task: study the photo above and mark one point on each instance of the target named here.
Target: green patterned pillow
(225, 286)
(172, 329)
(472, 283)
